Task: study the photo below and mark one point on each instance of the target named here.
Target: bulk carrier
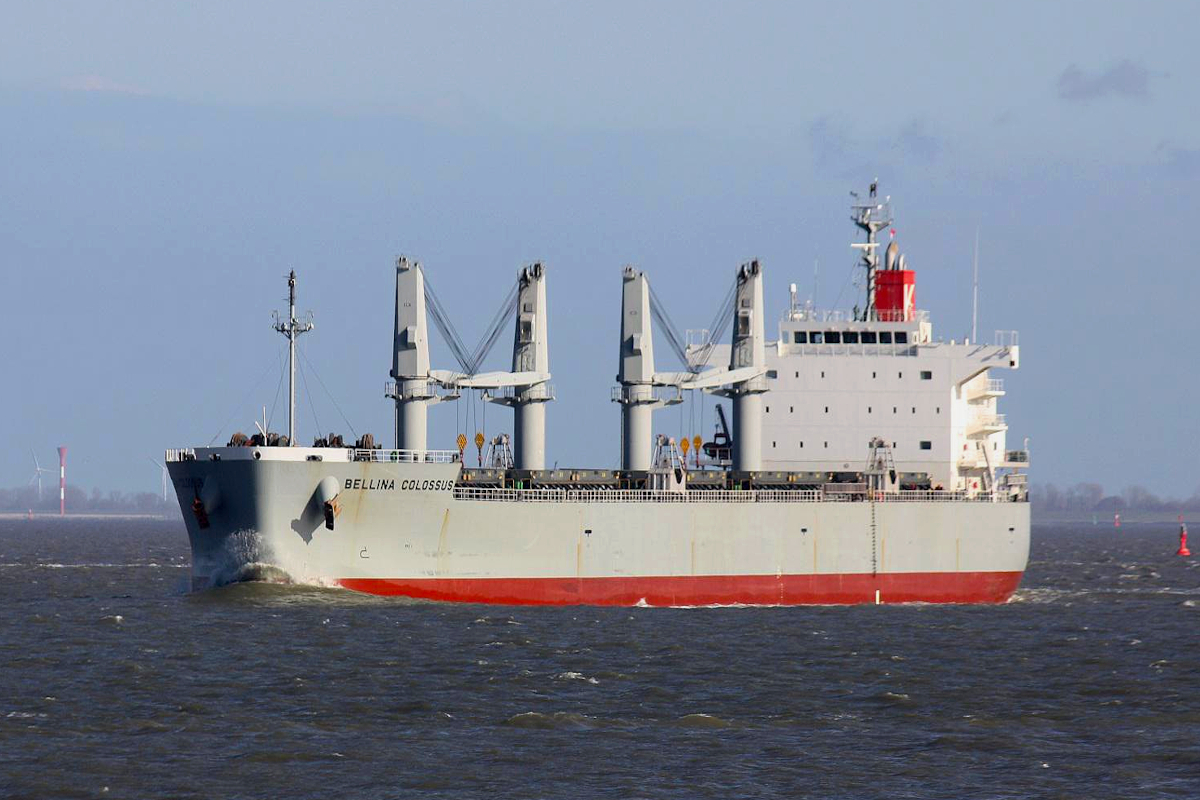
(866, 463)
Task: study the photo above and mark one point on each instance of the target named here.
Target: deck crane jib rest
(530, 371)
(413, 389)
(748, 355)
(640, 384)
(638, 393)
(526, 387)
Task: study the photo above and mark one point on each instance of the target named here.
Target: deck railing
(332, 454)
(986, 421)
(406, 456)
(717, 496)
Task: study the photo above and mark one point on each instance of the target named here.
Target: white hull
(401, 530)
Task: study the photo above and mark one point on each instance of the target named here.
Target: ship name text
(382, 484)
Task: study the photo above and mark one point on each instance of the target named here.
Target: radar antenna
(870, 216)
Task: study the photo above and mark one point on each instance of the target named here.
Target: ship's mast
(870, 217)
(291, 329)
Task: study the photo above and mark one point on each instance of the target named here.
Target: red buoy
(1116, 520)
(1183, 548)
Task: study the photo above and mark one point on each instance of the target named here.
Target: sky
(162, 167)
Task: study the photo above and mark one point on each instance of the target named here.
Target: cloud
(97, 83)
(1123, 79)
(916, 142)
(1179, 162)
(829, 141)
(835, 147)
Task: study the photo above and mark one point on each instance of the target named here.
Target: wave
(558, 720)
(1047, 594)
(703, 721)
(575, 676)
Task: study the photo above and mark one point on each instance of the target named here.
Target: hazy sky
(163, 166)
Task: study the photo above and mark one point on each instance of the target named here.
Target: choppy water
(116, 682)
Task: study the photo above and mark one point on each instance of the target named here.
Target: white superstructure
(837, 380)
(935, 403)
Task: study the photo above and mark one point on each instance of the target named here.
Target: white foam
(575, 676)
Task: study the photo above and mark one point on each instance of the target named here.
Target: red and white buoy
(1116, 520)
(62, 481)
(1183, 548)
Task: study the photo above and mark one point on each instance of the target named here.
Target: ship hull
(401, 530)
(707, 590)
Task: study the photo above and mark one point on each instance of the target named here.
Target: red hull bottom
(706, 590)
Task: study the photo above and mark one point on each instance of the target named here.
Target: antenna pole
(975, 289)
(292, 358)
(816, 279)
(870, 216)
(291, 329)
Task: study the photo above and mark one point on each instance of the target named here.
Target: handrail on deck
(719, 496)
(406, 456)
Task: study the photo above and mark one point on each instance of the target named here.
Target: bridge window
(850, 337)
(868, 337)
(901, 337)
(801, 337)
(885, 337)
(815, 337)
(833, 337)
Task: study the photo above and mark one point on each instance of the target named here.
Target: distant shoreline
(1106, 520)
(88, 515)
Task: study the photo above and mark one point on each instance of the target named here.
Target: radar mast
(291, 328)
(870, 216)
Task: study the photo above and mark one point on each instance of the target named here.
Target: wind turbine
(38, 469)
(164, 478)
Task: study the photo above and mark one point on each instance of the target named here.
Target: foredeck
(332, 454)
